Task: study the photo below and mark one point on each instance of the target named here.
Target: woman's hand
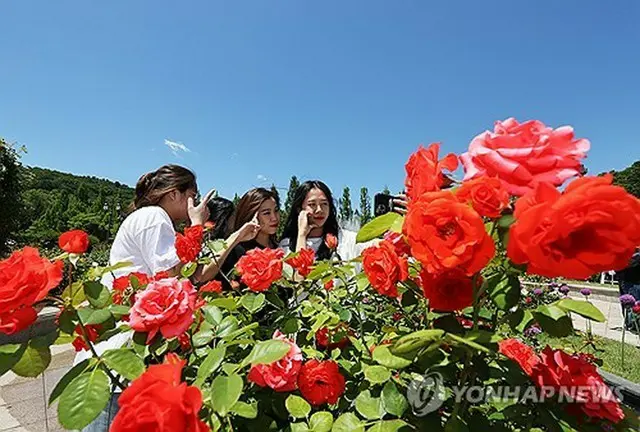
(248, 231)
(304, 226)
(400, 204)
(199, 214)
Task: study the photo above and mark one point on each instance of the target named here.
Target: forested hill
(54, 201)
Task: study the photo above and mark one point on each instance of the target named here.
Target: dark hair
(330, 226)
(154, 185)
(248, 207)
(220, 211)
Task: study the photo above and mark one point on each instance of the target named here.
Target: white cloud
(262, 178)
(234, 156)
(176, 147)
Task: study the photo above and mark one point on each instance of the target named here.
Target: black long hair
(330, 226)
(220, 211)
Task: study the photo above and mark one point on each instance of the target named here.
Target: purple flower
(532, 331)
(537, 291)
(553, 285)
(564, 289)
(585, 292)
(627, 300)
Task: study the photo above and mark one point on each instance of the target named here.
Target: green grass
(606, 349)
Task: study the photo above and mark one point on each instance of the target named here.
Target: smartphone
(382, 203)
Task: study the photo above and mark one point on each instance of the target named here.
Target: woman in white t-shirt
(146, 240)
(313, 215)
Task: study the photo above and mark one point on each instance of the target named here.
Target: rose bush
(319, 345)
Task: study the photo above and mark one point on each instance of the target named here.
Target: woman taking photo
(313, 216)
(259, 209)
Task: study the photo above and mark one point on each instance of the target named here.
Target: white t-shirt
(347, 247)
(146, 239)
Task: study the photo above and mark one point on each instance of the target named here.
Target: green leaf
(297, 407)
(140, 344)
(78, 294)
(388, 426)
(188, 269)
(45, 340)
(228, 325)
(383, 356)
(397, 225)
(70, 376)
(225, 392)
(416, 340)
(253, 302)
(66, 321)
(459, 340)
(504, 290)
(553, 320)
(10, 355)
(348, 422)
(299, 427)
(228, 303)
(202, 338)
(368, 406)
(118, 311)
(319, 271)
(83, 399)
(245, 410)
(210, 364)
(582, 308)
(125, 362)
(377, 374)
(520, 319)
(393, 401)
(97, 294)
(33, 362)
(292, 325)
(321, 421)
(267, 352)
(506, 221)
(377, 227)
(212, 314)
(90, 316)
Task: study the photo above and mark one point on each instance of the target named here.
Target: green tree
(629, 178)
(386, 190)
(236, 199)
(11, 185)
(346, 212)
(274, 190)
(291, 192)
(365, 206)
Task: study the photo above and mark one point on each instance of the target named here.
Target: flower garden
(383, 342)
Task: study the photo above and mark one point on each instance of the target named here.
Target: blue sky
(341, 91)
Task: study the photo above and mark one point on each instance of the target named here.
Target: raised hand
(249, 231)
(199, 214)
(304, 225)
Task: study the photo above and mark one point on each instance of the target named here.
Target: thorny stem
(95, 354)
(359, 318)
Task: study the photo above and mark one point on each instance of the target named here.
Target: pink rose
(166, 306)
(522, 155)
(281, 375)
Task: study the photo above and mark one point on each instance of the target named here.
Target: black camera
(382, 204)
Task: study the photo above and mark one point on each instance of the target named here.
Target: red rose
(399, 243)
(209, 225)
(328, 285)
(123, 286)
(487, 196)
(165, 306)
(448, 291)
(331, 241)
(424, 171)
(445, 234)
(302, 261)
(636, 309)
(74, 241)
(25, 279)
(79, 342)
(520, 353)
(321, 382)
(576, 379)
(212, 287)
(161, 275)
(384, 268)
(522, 155)
(326, 339)
(528, 300)
(590, 228)
(185, 342)
(158, 400)
(260, 268)
(189, 244)
(281, 375)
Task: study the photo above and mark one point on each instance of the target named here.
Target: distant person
(629, 283)
(220, 211)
